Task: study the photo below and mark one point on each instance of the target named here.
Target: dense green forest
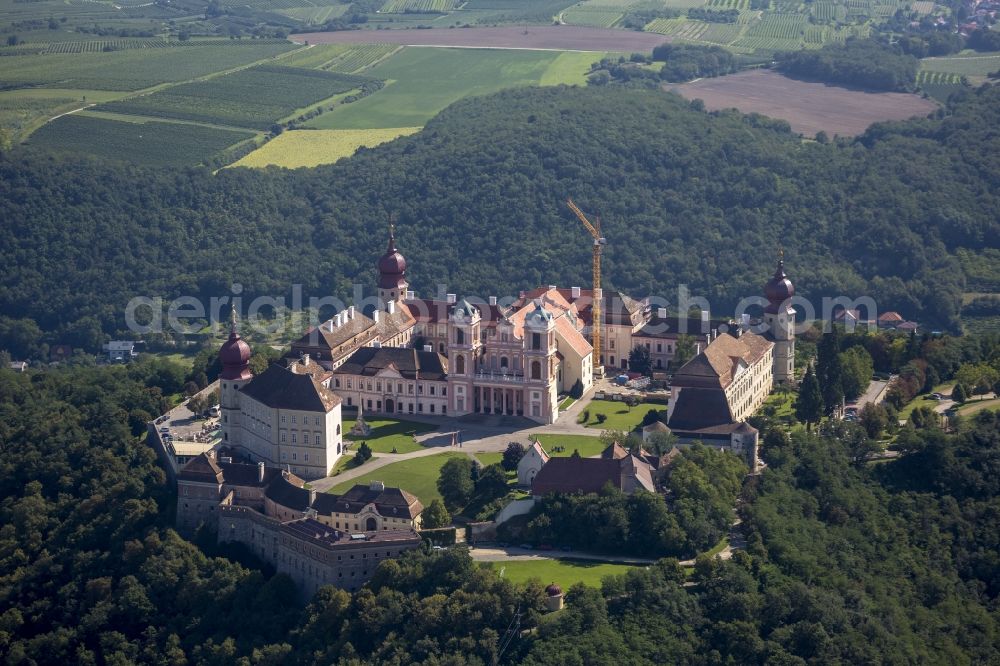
(857, 63)
(685, 197)
(895, 563)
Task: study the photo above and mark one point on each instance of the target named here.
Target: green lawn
(389, 434)
(418, 476)
(922, 400)
(564, 572)
(488, 459)
(587, 446)
(973, 406)
(620, 417)
(425, 80)
(566, 404)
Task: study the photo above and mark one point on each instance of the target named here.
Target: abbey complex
(451, 358)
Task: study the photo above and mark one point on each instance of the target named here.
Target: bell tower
(779, 315)
(391, 266)
(540, 365)
(235, 357)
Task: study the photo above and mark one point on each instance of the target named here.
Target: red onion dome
(391, 265)
(779, 288)
(553, 590)
(235, 355)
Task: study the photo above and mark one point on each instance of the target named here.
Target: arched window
(459, 336)
(536, 370)
(371, 525)
(338, 428)
(460, 364)
(503, 363)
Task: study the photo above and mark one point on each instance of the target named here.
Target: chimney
(715, 333)
(375, 316)
(745, 320)
(377, 344)
(520, 294)
(493, 300)
(574, 292)
(260, 472)
(329, 326)
(661, 313)
(350, 312)
(552, 287)
(428, 348)
(390, 307)
(377, 486)
(305, 360)
(409, 295)
(451, 298)
(338, 318)
(312, 496)
(697, 349)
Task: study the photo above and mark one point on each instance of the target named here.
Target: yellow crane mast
(595, 308)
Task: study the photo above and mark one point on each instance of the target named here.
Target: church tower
(391, 266)
(235, 358)
(779, 315)
(540, 365)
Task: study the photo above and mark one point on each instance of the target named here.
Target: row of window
(432, 389)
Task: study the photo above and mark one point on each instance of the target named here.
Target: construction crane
(595, 308)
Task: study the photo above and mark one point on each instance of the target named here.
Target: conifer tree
(809, 404)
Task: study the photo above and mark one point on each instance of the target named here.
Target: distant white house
(121, 350)
(531, 463)
(18, 366)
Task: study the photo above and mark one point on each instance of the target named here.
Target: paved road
(875, 394)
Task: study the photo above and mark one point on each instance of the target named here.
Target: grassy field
(487, 459)
(153, 143)
(389, 434)
(564, 572)
(586, 445)
(425, 80)
(309, 148)
(973, 406)
(417, 475)
(620, 417)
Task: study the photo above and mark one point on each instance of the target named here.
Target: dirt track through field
(808, 107)
(550, 37)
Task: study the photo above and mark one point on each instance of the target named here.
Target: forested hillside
(684, 197)
(844, 564)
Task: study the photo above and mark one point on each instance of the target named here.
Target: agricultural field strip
(252, 98)
(139, 119)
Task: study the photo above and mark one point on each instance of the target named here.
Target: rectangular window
(420, 407)
(283, 417)
(295, 456)
(432, 409)
(293, 438)
(305, 438)
(293, 419)
(378, 386)
(284, 436)
(432, 390)
(348, 383)
(306, 457)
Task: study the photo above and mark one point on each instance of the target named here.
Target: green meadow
(423, 81)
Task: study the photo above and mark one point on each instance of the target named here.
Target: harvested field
(808, 107)
(556, 37)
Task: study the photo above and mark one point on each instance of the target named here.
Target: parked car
(164, 429)
(526, 546)
(937, 396)
(545, 546)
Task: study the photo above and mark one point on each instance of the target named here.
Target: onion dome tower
(234, 354)
(553, 597)
(235, 357)
(779, 315)
(391, 267)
